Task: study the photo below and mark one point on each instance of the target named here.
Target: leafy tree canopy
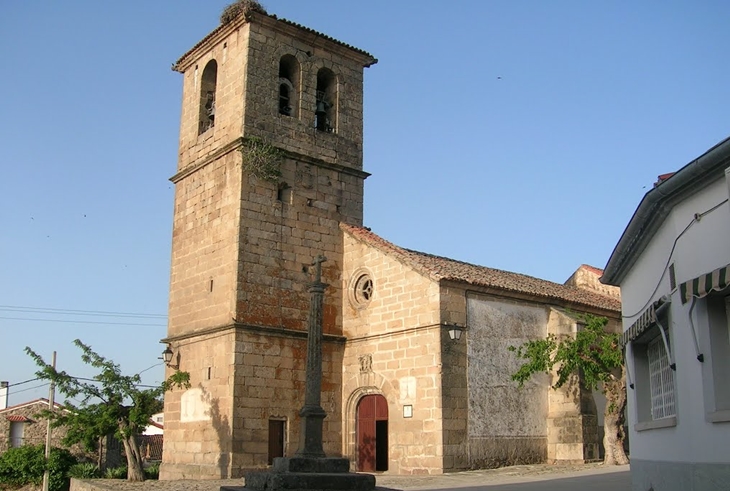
(108, 403)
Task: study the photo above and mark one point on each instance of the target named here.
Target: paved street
(519, 478)
(539, 477)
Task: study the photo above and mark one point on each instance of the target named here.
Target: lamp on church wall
(455, 331)
(167, 356)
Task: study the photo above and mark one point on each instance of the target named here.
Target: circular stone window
(361, 289)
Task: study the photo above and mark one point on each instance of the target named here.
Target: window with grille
(661, 380)
(653, 372)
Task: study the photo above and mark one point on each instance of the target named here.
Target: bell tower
(269, 164)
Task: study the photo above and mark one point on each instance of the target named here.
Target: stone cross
(318, 265)
(312, 414)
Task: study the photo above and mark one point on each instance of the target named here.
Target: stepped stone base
(310, 474)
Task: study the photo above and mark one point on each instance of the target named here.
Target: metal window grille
(661, 381)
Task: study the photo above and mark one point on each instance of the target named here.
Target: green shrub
(85, 470)
(152, 471)
(116, 472)
(25, 465)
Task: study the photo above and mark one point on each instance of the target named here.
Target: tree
(595, 356)
(110, 403)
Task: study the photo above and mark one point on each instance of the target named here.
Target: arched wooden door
(372, 434)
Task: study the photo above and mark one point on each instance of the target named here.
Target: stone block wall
(270, 384)
(242, 245)
(199, 421)
(34, 430)
(205, 246)
(394, 349)
(229, 47)
(454, 381)
(572, 422)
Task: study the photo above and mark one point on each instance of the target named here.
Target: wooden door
(372, 434)
(276, 439)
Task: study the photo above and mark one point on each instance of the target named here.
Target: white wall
(704, 247)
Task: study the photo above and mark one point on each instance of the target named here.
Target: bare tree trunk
(135, 470)
(613, 422)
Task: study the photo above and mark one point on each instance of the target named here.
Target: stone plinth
(304, 473)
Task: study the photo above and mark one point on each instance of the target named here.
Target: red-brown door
(372, 434)
(276, 439)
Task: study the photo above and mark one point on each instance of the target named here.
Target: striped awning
(645, 320)
(704, 284)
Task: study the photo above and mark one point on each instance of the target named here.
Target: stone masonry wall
(572, 422)
(454, 381)
(34, 431)
(229, 50)
(205, 246)
(270, 384)
(394, 349)
(199, 421)
(241, 246)
(269, 41)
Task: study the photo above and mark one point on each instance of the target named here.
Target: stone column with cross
(310, 468)
(312, 414)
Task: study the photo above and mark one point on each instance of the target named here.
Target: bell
(321, 108)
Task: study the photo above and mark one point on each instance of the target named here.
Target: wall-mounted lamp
(454, 331)
(167, 356)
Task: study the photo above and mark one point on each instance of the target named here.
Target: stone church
(415, 360)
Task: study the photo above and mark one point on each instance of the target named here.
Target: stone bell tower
(269, 164)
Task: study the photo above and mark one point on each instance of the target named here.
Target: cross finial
(318, 265)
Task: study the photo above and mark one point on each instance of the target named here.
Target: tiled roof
(150, 446)
(442, 268)
(284, 21)
(17, 418)
(41, 400)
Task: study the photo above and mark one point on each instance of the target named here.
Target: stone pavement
(542, 477)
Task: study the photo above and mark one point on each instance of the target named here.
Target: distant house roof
(41, 400)
(442, 268)
(150, 446)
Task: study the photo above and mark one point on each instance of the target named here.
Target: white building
(672, 264)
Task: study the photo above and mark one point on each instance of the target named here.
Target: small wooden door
(372, 434)
(276, 439)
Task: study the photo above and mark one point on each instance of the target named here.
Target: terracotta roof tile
(17, 418)
(442, 268)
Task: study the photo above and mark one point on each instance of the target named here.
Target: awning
(17, 418)
(645, 320)
(704, 284)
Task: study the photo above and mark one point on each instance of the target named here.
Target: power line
(23, 382)
(82, 322)
(31, 388)
(102, 313)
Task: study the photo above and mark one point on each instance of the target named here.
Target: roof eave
(656, 205)
(315, 38)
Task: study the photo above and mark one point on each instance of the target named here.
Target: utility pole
(51, 395)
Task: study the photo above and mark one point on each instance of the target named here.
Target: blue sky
(519, 135)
